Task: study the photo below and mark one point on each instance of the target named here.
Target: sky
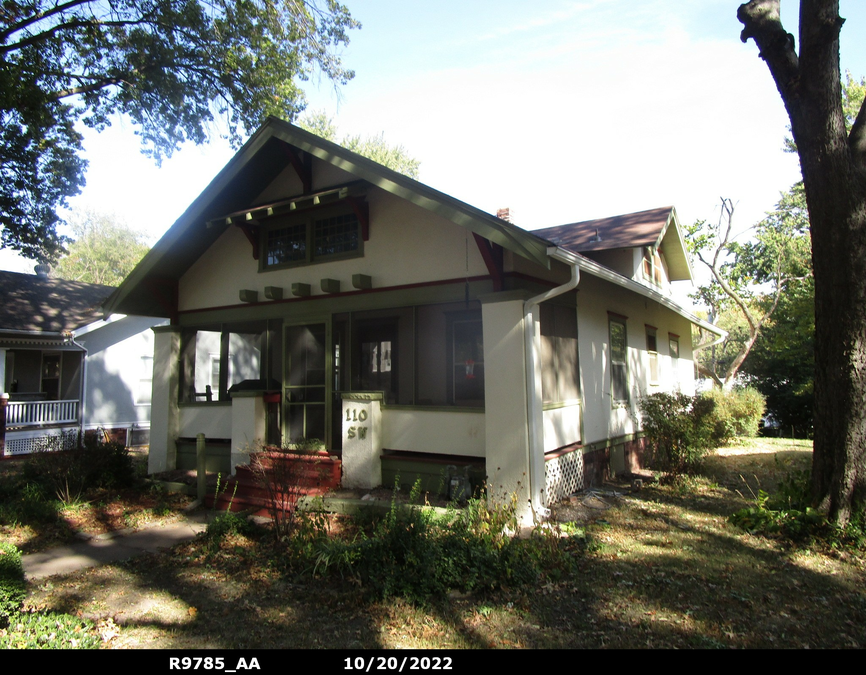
(560, 110)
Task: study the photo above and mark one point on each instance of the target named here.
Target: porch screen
(215, 359)
(559, 373)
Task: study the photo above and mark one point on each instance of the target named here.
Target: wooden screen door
(306, 384)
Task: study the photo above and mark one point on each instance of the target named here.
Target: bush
(736, 413)
(415, 554)
(67, 474)
(12, 587)
(49, 631)
(679, 430)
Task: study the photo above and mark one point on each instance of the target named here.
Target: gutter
(532, 349)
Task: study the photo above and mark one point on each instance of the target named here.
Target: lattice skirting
(27, 442)
(563, 475)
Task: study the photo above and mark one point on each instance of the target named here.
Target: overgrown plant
(68, 473)
(414, 553)
(282, 474)
(51, 630)
(12, 587)
(678, 428)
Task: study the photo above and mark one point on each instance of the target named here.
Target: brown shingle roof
(627, 231)
(32, 303)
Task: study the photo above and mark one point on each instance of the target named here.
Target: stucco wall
(596, 298)
(407, 245)
(434, 431)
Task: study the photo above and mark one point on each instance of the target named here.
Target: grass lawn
(662, 569)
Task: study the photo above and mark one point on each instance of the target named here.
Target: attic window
(652, 265)
(310, 238)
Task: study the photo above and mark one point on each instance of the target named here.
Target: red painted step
(291, 476)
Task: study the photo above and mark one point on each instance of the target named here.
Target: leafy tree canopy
(395, 157)
(171, 66)
(104, 249)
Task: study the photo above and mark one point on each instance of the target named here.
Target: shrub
(736, 413)
(12, 587)
(678, 428)
(49, 631)
(412, 553)
(67, 474)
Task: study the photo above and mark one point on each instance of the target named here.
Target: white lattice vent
(563, 476)
(25, 443)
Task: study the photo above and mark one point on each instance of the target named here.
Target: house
(65, 368)
(315, 296)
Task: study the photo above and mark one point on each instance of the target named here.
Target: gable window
(653, 354)
(618, 359)
(652, 265)
(311, 238)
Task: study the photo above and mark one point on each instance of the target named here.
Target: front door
(305, 394)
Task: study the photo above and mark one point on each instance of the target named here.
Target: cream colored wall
(434, 431)
(561, 427)
(407, 245)
(603, 419)
(215, 421)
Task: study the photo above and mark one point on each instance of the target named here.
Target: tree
(171, 66)
(781, 364)
(833, 164)
(395, 157)
(749, 281)
(104, 250)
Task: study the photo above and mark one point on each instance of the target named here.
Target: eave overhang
(243, 178)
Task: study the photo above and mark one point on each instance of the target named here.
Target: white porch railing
(41, 413)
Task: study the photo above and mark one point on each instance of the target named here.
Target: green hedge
(12, 587)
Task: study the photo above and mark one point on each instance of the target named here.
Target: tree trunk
(835, 183)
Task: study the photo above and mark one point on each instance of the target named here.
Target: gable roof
(658, 228)
(262, 158)
(52, 306)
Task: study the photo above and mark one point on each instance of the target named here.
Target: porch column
(164, 412)
(249, 417)
(505, 404)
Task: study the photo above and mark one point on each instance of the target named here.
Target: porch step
(301, 475)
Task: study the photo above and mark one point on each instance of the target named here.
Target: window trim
(652, 354)
(308, 219)
(620, 320)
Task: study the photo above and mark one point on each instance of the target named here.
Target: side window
(216, 359)
(618, 360)
(559, 373)
(145, 381)
(653, 354)
(674, 347)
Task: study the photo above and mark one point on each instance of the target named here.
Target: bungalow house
(317, 297)
(64, 368)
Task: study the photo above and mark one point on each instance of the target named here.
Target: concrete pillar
(249, 422)
(505, 404)
(362, 440)
(164, 412)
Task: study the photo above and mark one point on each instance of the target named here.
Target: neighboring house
(64, 368)
(315, 294)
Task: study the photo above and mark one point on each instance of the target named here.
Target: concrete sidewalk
(113, 547)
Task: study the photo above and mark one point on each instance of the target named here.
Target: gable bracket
(303, 167)
(361, 208)
(493, 258)
(164, 291)
(250, 234)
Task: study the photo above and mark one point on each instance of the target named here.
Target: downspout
(83, 393)
(535, 413)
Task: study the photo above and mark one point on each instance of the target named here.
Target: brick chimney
(505, 214)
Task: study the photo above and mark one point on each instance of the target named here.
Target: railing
(41, 413)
